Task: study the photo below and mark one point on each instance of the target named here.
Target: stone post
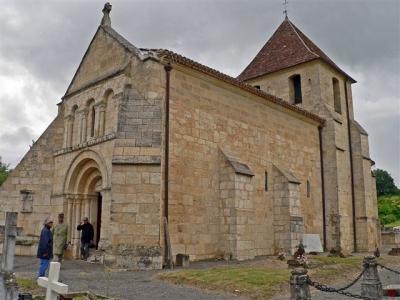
(8, 285)
(299, 288)
(371, 285)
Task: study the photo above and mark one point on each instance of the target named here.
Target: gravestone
(53, 287)
(312, 243)
(182, 260)
(8, 285)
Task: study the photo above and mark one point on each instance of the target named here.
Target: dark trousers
(85, 250)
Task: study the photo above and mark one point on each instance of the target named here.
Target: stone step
(95, 257)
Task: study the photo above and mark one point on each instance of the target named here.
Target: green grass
(27, 284)
(334, 260)
(263, 281)
(254, 281)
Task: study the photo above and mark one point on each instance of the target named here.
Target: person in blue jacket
(45, 248)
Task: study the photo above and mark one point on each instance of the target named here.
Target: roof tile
(287, 47)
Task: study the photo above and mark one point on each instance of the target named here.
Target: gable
(104, 56)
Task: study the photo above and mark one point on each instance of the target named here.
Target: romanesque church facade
(237, 167)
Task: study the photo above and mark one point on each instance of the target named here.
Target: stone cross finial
(106, 20)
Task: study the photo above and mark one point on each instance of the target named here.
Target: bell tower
(292, 67)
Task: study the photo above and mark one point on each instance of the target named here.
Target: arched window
(103, 110)
(295, 95)
(336, 96)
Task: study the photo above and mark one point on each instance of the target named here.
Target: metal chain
(353, 282)
(327, 289)
(389, 269)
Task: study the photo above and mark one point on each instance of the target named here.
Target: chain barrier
(389, 269)
(327, 289)
(353, 282)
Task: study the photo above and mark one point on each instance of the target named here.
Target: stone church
(162, 152)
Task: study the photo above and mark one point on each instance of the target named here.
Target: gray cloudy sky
(42, 42)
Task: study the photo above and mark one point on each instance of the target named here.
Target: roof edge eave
(291, 66)
(179, 59)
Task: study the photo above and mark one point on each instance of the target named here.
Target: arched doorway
(83, 188)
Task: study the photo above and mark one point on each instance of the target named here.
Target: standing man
(86, 237)
(45, 248)
(60, 235)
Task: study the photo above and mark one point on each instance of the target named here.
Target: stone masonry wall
(288, 215)
(207, 115)
(104, 56)
(365, 193)
(317, 90)
(237, 213)
(28, 189)
(135, 217)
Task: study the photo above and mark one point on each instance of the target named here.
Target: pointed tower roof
(287, 47)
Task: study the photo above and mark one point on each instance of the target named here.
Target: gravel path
(83, 276)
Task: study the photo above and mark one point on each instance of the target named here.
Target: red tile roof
(173, 57)
(287, 47)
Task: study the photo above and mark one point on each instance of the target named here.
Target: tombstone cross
(8, 286)
(10, 234)
(54, 288)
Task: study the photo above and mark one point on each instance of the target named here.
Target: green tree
(4, 171)
(385, 183)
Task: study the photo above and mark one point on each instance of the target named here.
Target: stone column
(77, 211)
(92, 211)
(83, 125)
(371, 285)
(299, 288)
(86, 210)
(69, 215)
(102, 118)
(96, 121)
(68, 125)
(105, 234)
(90, 117)
(93, 208)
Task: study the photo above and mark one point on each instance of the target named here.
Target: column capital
(84, 111)
(69, 117)
(101, 105)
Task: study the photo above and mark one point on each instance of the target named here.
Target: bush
(389, 208)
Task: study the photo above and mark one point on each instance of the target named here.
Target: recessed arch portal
(84, 183)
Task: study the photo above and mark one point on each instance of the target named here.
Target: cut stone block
(312, 243)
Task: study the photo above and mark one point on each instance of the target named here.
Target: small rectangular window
(308, 189)
(336, 95)
(266, 181)
(257, 87)
(295, 89)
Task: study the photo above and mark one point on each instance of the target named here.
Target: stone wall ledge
(137, 160)
(86, 144)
